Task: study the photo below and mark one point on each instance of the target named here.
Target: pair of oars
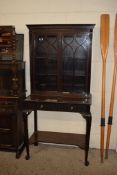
(104, 43)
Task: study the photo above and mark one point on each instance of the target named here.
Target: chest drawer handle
(3, 109)
(71, 108)
(41, 106)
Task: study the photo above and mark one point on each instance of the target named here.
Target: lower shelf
(59, 138)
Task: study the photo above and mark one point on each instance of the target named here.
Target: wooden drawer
(54, 106)
(7, 121)
(69, 107)
(6, 140)
(7, 106)
(48, 106)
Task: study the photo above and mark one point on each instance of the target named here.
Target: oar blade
(104, 35)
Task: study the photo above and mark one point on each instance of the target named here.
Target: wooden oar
(112, 91)
(104, 43)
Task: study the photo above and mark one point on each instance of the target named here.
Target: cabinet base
(12, 149)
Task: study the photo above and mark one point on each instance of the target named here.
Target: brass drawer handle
(3, 109)
(72, 107)
(6, 110)
(41, 106)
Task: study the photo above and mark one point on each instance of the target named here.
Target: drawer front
(66, 107)
(6, 140)
(7, 107)
(48, 106)
(7, 121)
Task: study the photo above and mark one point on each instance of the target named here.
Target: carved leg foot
(26, 140)
(27, 157)
(87, 163)
(17, 155)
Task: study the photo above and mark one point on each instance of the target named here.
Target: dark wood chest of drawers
(12, 90)
(11, 127)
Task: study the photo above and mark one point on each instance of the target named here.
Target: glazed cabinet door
(76, 47)
(44, 69)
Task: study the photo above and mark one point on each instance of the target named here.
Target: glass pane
(52, 67)
(52, 39)
(75, 55)
(46, 83)
(40, 46)
(41, 82)
(79, 83)
(52, 83)
(45, 64)
(80, 68)
(68, 83)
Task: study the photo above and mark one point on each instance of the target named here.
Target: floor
(57, 160)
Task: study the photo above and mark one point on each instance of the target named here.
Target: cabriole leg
(88, 119)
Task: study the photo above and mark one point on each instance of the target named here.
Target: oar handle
(102, 144)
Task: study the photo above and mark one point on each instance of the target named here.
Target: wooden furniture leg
(26, 139)
(88, 119)
(35, 128)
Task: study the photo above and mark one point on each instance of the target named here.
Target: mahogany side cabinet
(60, 74)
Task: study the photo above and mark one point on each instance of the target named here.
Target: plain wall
(20, 13)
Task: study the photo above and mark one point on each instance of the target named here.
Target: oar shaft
(103, 89)
(111, 111)
(113, 91)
